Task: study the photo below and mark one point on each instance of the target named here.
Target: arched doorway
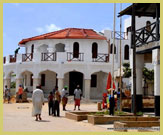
(75, 78)
(126, 52)
(76, 50)
(94, 50)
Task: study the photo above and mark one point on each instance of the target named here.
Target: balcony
(57, 57)
(101, 57)
(48, 57)
(12, 58)
(147, 34)
(75, 57)
(27, 57)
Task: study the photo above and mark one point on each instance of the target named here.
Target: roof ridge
(66, 33)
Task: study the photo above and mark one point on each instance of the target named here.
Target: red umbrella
(113, 85)
(108, 86)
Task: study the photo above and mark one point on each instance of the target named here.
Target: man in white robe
(38, 101)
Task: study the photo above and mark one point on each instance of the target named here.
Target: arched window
(32, 48)
(111, 49)
(76, 50)
(126, 52)
(94, 50)
(148, 26)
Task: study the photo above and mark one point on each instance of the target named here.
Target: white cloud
(52, 27)
(48, 28)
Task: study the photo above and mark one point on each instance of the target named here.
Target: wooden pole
(134, 59)
(113, 43)
(120, 84)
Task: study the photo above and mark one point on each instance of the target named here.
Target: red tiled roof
(68, 33)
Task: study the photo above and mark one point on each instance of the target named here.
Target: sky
(24, 20)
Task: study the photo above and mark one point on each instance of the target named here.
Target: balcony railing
(12, 59)
(101, 57)
(4, 60)
(118, 35)
(27, 57)
(70, 57)
(48, 57)
(147, 34)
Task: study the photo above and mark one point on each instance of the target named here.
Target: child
(50, 103)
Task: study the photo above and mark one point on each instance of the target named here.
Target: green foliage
(13, 84)
(148, 74)
(126, 70)
(119, 113)
(139, 113)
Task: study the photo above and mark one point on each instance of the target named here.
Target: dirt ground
(17, 117)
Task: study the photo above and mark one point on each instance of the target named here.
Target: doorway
(75, 78)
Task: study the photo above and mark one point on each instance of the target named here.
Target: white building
(66, 57)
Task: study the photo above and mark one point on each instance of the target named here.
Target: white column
(87, 86)
(60, 83)
(7, 59)
(37, 57)
(36, 82)
(18, 58)
(19, 81)
(139, 77)
(139, 74)
(156, 63)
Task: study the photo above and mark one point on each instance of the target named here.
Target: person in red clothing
(20, 93)
(50, 103)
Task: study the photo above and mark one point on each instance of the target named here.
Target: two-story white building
(66, 57)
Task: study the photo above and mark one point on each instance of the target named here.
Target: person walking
(20, 93)
(57, 100)
(77, 97)
(64, 95)
(38, 102)
(7, 94)
(50, 103)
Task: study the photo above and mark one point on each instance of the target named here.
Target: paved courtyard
(17, 117)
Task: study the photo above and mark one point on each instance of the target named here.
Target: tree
(126, 70)
(148, 74)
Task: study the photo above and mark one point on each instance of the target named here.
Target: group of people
(54, 99)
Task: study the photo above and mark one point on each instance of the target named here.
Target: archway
(98, 84)
(94, 50)
(48, 81)
(73, 79)
(126, 52)
(27, 81)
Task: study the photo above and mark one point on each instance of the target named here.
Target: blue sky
(23, 20)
